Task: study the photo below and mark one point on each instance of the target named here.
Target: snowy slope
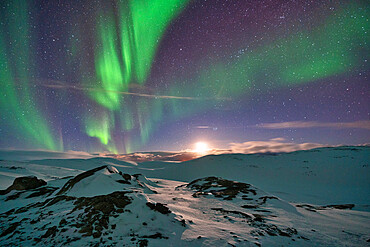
(106, 207)
(306, 198)
(97, 206)
(12, 169)
(334, 175)
(21, 155)
(323, 175)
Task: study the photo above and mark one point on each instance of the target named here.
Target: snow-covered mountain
(306, 198)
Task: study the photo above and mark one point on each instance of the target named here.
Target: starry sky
(122, 76)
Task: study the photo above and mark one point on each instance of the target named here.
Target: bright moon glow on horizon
(201, 147)
(125, 76)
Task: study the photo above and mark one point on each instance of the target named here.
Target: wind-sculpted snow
(224, 200)
(337, 175)
(124, 216)
(24, 183)
(257, 208)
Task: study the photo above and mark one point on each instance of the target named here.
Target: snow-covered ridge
(96, 204)
(337, 175)
(304, 198)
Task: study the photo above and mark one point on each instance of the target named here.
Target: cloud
(276, 145)
(203, 127)
(19, 155)
(313, 124)
(147, 95)
(155, 156)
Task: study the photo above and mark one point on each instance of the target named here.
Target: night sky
(144, 75)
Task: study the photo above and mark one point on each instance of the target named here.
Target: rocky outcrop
(220, 187)
(314, 208)
(24, 183)
(57, 219)
(78, 178)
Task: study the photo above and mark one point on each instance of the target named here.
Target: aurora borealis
(122, 75)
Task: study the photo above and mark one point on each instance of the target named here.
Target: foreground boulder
(24, 183)
(99, 207)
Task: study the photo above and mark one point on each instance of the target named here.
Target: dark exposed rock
(15, 168)
(258, 218)
(250, 206)
(304, 238)
(54, 200)
(143, 243)
(36, 192)
(69, 240)
(126, 176)
(62, 222)
(96, 234)
(34, 221)
(122, 181)
(257, 244)
(264, 198)
(244, 197)
(87, 229)
(341, 206)
(51, 232)
(91, 220)
(14, 196)
(313, 208)
(233, 212)
(10, 229)
(27, 183)
(157, 235)
(97, 211)
(24, 183)
(117, 199)
(220, 187)
(42, 191)
(93, 216)
(262, 210)
(158, 207)
(273, 230)
(69, 185)
(47, 202)
(183, 223)
(257, 232)
(307, 207)
(258, 221)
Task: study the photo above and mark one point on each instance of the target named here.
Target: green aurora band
(100, 128)
(17, 103)
(140, 26)
(305, 57)
(325, 51)
(125, 43)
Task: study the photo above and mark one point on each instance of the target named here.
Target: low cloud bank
(21, 155)
(313, 124)
(276, 145)
(155, 156)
